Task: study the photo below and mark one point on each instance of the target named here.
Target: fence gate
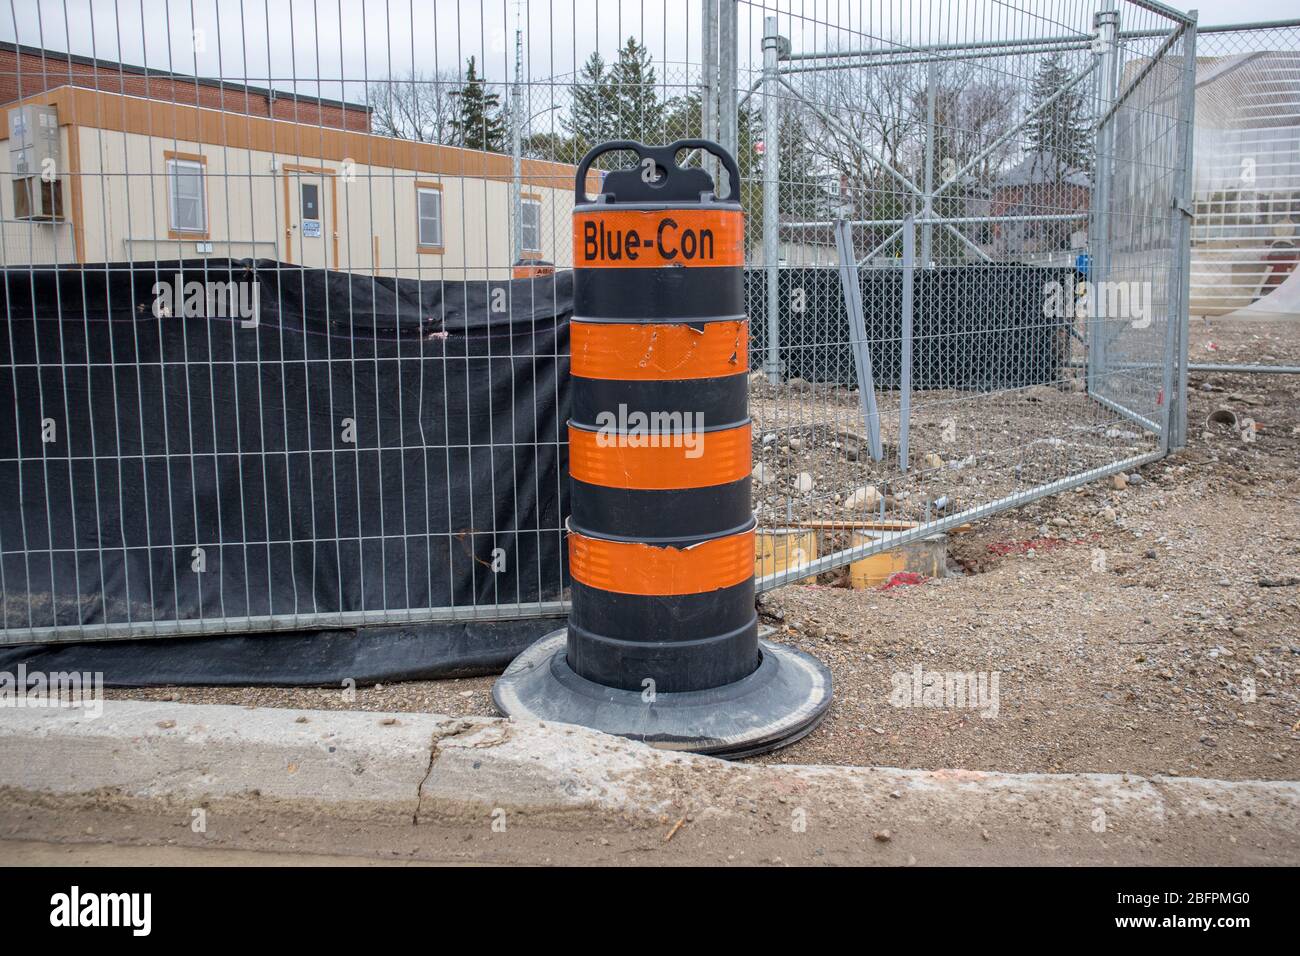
(1140, 223)
(286, 286)
(970, 244)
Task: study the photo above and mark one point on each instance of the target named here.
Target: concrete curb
(399, 767)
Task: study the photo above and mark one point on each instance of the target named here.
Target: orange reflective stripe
(630, 567)
(641, 239)
(646, 353)
(660, 462)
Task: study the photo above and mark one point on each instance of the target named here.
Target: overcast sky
(293, 43)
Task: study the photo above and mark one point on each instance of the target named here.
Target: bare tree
(868, 132)
(988, 109)
(415, 106)
(972, 110)
(880, 115)
(970, 113)
(875, 120)
(887, 110)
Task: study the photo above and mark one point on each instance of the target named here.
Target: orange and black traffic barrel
(663, 640)
(661, 531)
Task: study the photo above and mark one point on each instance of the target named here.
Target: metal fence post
(726, 90)
(771, 196)
(927, 201)
(1107, 80)
(858, 344)
(709, 81)
(1182, 266)
(905, 344)
(517, 155)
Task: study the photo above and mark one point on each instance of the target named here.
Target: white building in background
(1246, 193)
(93, 171)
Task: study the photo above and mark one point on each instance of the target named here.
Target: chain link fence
(971, 252)
(965, 285)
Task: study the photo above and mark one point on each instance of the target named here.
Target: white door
(309, 235)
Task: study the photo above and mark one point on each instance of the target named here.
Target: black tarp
(975, 327)
(299, 658)
(172, 433)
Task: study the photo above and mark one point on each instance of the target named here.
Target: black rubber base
(780, 702)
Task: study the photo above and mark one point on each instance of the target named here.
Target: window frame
(303, 184)
(173, 161)
(430, 248)
(526, 200)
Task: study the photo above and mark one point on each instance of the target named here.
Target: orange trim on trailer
(660, 462)
(658, 353)
(631, 567)
(653, 239)
(177, 122)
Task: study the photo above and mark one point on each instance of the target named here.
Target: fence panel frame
(741, 54)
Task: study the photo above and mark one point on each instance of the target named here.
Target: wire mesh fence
(972, 286)
(287, 285)
(1245, 287)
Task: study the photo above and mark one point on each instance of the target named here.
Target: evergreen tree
(592, 115)
(803, 194)
(553, 147)
(618, 101)
(683, 119)
(1062, 132)
(639, 114)
(477, 123)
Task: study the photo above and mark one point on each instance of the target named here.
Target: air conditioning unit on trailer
(36, 163)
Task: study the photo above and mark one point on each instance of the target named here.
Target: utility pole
(517, 151)
(771, 198)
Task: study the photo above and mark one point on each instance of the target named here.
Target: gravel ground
(1257, 342)
(1153, 628)
(964, 448)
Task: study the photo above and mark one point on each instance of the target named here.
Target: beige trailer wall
(370, 213)
(22, 241)
(117, 194)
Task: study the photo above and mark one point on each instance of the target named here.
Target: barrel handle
(665, 156)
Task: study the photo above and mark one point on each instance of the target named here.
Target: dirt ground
(1214, 339)
(1153, 628)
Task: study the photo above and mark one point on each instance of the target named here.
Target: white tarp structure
(1246, 236)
